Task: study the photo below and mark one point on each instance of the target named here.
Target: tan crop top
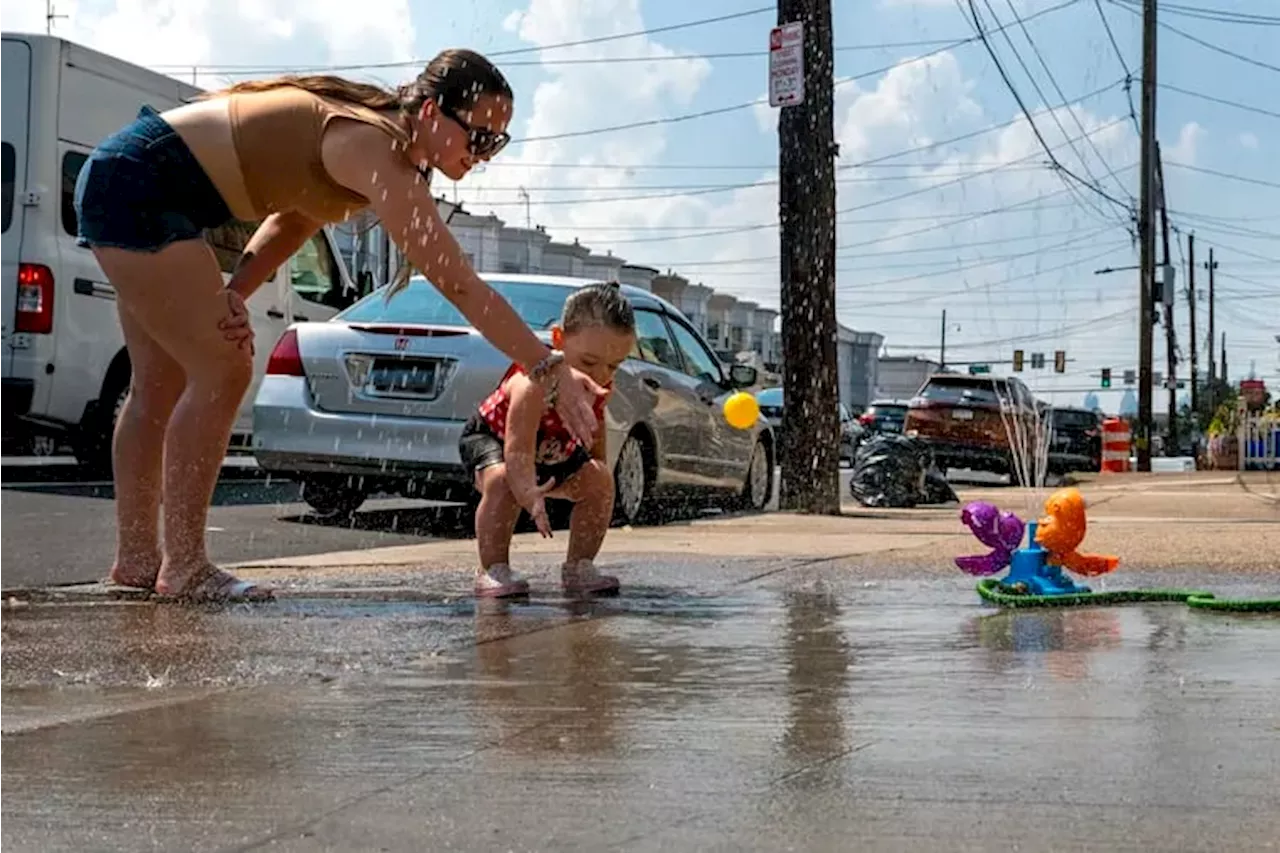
(277, 137)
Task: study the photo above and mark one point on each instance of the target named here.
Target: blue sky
(1017, 276)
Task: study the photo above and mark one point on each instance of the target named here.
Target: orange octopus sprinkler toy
(1036, 577)
(1052, 540)
(1061, 530)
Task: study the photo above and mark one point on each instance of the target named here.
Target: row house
(738, 330)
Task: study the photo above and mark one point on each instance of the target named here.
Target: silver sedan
(375, 399)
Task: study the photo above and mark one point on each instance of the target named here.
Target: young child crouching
(519, 452)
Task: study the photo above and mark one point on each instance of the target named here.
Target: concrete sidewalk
(764, 683)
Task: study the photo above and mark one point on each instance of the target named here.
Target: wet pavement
(718, 704)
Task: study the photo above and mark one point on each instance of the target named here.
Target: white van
(66, 370)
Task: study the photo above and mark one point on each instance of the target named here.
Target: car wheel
(332, 499)
(631, 481)
(758, 488)
(92, 442)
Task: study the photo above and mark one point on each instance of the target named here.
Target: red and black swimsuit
(558, 452)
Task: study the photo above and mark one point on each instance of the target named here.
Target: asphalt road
(60, 528)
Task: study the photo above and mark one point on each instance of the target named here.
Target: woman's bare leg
(138, 452)
(178, 298)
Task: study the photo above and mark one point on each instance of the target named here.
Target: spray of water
(1029, 441)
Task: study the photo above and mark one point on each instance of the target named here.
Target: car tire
(632, 480)
(331, 499)
(757, 490)
(93, 439)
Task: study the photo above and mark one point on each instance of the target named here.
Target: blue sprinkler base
(1028, 569)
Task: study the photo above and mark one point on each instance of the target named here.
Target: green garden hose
(997, 593)
(1238, 605)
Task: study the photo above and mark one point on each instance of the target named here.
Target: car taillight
(866, 420)
(34, 313)
(286, 358)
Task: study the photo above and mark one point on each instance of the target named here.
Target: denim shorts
(143, 189)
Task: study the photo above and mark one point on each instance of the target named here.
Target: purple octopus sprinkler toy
(1000, 531)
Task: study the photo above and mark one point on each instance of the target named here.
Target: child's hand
(536, 505)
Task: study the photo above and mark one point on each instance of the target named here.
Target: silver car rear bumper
(290, 437)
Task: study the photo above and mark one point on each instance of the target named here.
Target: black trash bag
(895, 470)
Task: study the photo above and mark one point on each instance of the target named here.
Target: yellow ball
(741, 410)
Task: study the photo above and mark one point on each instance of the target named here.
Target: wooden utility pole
(1166, 293)
(942, 354)
(1146, 234)
(1191, 315)
(807, 215)
(1213, 373)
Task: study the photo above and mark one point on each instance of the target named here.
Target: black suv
(1076, 444)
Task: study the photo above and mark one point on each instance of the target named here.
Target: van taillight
(286, 358)
(34, 313)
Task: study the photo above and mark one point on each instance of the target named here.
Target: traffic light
(1060, 361)
(1106, 377)
(1017, 361)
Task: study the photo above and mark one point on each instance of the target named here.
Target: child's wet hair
(598, 305)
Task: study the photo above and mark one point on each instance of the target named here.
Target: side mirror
(743, 375)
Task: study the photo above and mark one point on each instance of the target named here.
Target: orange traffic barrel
(1115, 445)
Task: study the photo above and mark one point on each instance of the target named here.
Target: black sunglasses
(480, 142)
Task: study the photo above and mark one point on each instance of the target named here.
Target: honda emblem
(402, 343)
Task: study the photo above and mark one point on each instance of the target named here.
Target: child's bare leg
(496, 518)
(591, 489)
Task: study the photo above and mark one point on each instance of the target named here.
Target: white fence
(1259, 442)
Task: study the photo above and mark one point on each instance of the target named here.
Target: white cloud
(239, 32)
(887, 236)
(1249, 140)
(1188, 144)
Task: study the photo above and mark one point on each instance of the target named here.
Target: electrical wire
(1205, 13)
(1062, 170)
(1054, 113)
(1128, 75)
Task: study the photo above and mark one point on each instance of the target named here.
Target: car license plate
(962, 414)
(413, 379)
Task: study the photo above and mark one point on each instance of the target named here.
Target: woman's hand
(576, 395)
(235, 326)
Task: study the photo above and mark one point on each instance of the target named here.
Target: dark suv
(959, 416)
(1076, 444)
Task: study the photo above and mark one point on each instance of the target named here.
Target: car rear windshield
(966, 393)
(539, 305)
(1077, 420)
(889, 411)
(8, 183)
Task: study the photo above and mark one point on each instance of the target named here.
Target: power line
(1217, 100)
(518, 51)
(932, 227)
(723, 110)
(977, 23)
(1243, 179)
(1054, 82)
(894, 155)
(874, 179)
(1039, 250)
(317, 68)
(1128, 75)
(248, 70)
(1205, 13)
(1205, 44)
